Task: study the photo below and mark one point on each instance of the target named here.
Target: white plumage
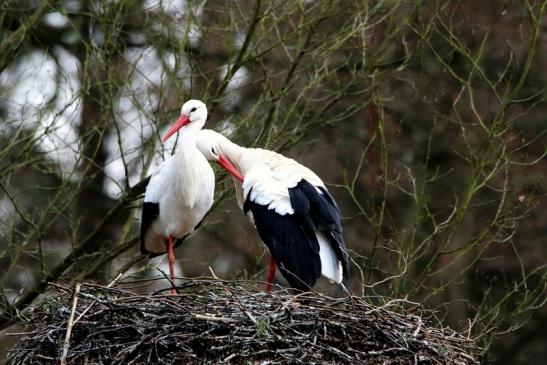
(184, 190)
(180, 192)
(331, 267)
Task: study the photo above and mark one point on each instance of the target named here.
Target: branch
(40, 286)
(69, 325)
(11, 44)
(239, 59)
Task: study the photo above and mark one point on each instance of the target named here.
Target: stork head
(211, 145)
(192, 112)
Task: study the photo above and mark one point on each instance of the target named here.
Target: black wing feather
(291, 244)
(150, 211)
(325, 215)
(336, 233)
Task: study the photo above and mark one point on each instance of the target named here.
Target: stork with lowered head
(291, 208)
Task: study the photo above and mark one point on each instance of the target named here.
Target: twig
(69, 325)
(95, 301)
(173, 285)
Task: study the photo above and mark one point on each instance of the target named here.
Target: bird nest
(213, 321)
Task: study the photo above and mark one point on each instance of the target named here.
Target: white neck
(236, 154)
(189, 163)
(186, 143)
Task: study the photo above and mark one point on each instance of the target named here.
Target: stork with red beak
(290, 206)
(180, 192)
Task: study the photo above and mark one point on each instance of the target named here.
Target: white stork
(180, 192)
(291, 208)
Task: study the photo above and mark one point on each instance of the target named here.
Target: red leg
(171, 257)
(271, 274)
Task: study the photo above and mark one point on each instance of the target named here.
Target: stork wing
(157, 184)
(157, 187)
(150, 211)
(287, 210)
(151, 207)
(321, 210)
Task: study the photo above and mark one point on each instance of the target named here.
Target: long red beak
(227, 165)
(181, 122)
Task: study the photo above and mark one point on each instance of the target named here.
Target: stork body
(291, 208)
(180, 193)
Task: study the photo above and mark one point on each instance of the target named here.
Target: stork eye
(193, 109)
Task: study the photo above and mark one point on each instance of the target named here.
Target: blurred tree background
(427, 119)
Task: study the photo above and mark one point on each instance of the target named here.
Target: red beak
(227, 165)
(181, 122)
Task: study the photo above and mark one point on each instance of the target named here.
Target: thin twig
(69, 325)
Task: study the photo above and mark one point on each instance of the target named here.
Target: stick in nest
(69, 325)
